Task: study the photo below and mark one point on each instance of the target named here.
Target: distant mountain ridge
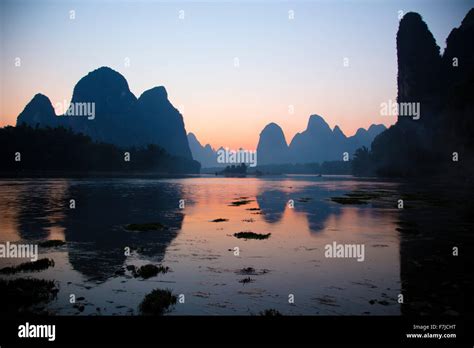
(317, 144)
(272, 147)
(206, 155)
(120, 118)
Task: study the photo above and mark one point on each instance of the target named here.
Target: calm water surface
(200, 253)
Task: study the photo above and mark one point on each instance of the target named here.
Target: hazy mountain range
(318, 143)
(119, 118)
(206, 155)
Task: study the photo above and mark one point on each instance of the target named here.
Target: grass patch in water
(251, 271)
(157, 302)
(240, 202)
(246, 280)
(220, 220)
(150, 270)
(247, 270)
(18, 295)
(252, 235)
(34, 266)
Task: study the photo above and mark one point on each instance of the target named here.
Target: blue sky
(283, 64)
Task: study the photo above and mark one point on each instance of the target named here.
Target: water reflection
(97, 225)
(272, 204)
(38, 207)
(437, 220)
(94, 229)
(197, 249)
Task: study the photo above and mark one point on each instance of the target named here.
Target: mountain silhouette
(364, 137)
(443, 86)
(315, 144)
(38, 111)
(318, 143)
(203, 154)
(272, 147)
(119, 117)
(168, 128)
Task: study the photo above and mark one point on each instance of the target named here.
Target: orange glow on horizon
(236, 130)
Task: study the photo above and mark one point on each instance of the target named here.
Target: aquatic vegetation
(52, 243)
(220, 220)
(202, 294)
(80, 307)
(270, 313)
(246, 280)
(34, 266)
(382, 302)
(327, 300)
(252, 235)
(150, 270)
(239, 203)
(251, 271)
(248, 270)
(153, 226)
(18, 295)
(158, 302)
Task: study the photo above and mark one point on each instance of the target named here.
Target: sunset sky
(284, 63)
